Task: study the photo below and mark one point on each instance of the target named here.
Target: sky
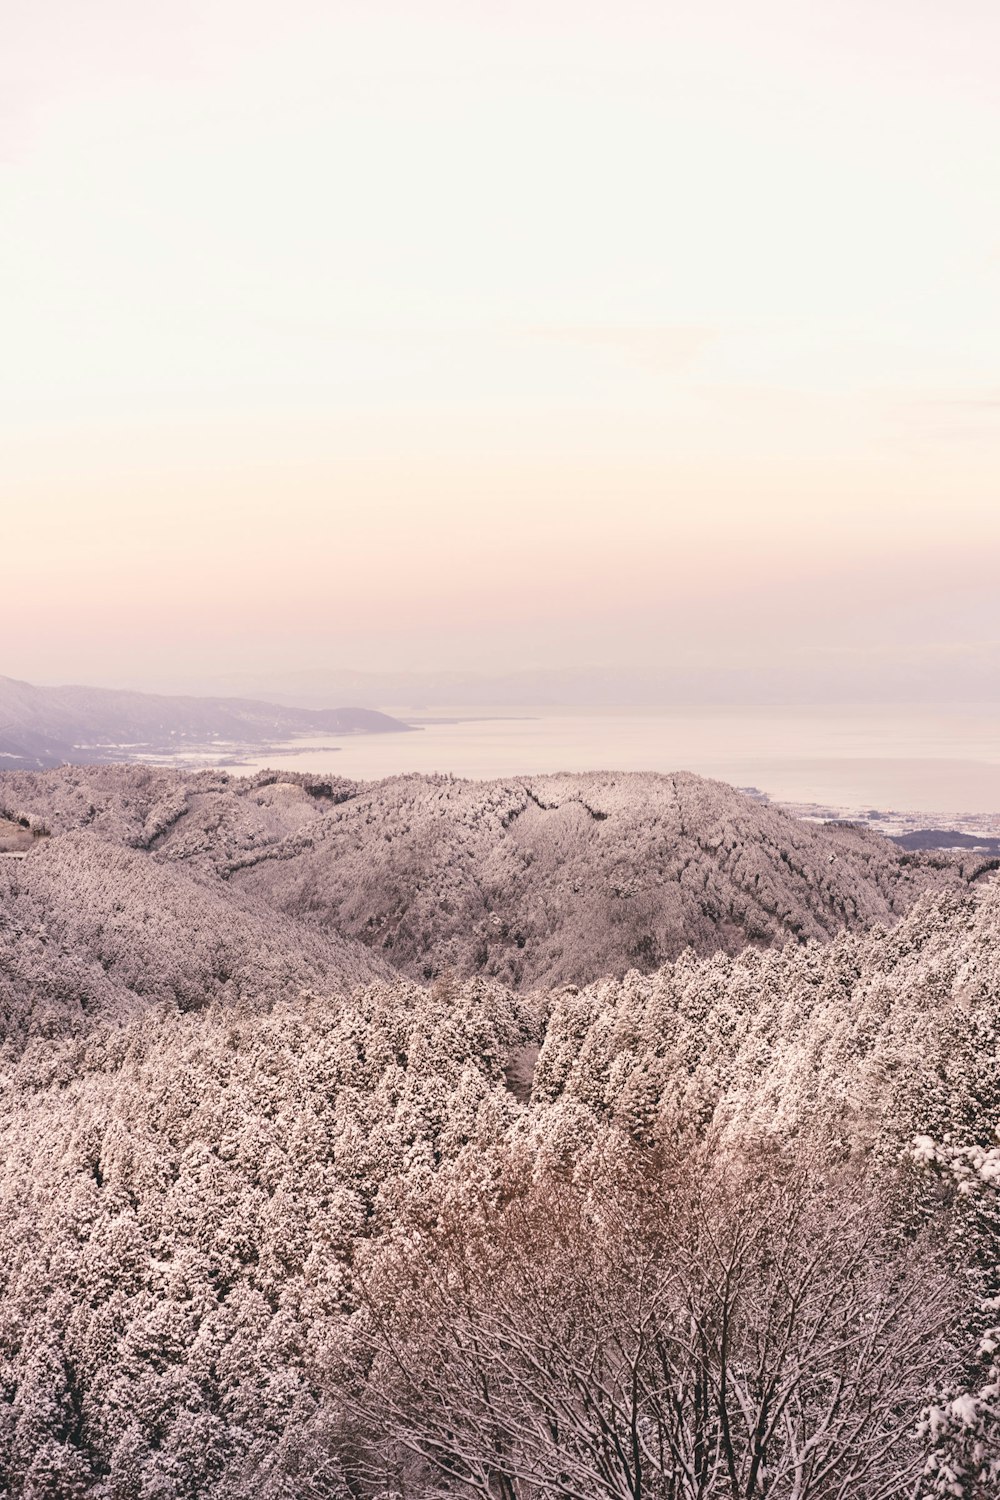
(428, 336)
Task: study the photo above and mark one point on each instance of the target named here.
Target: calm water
(945, 761)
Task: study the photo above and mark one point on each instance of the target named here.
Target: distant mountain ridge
(42, 727)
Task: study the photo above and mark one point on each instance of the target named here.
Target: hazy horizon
(635, 342)
(944, 679)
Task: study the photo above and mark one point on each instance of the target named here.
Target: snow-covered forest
(574, 1137)
(536, 882)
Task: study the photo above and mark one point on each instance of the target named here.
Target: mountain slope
(217, 1189)
(93, 931)
(42, 726)
(564, 879)
(538, 881)
(190, 1200)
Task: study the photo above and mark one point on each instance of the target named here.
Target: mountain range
(534, 882)
(349, 1126)
(46, 726)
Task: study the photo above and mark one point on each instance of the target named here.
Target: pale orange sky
(436, 335)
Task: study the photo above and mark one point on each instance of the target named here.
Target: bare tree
(683, 1331)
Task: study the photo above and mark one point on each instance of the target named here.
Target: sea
(943, 761)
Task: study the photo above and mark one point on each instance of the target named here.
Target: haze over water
(909, 759)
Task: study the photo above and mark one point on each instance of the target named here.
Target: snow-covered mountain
(534, 881)
(257, 1242)
(343, 1139)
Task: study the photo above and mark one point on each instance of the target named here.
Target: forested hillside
(89, 929)
(524, 1221)
(533, 882)
(324, 1251)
